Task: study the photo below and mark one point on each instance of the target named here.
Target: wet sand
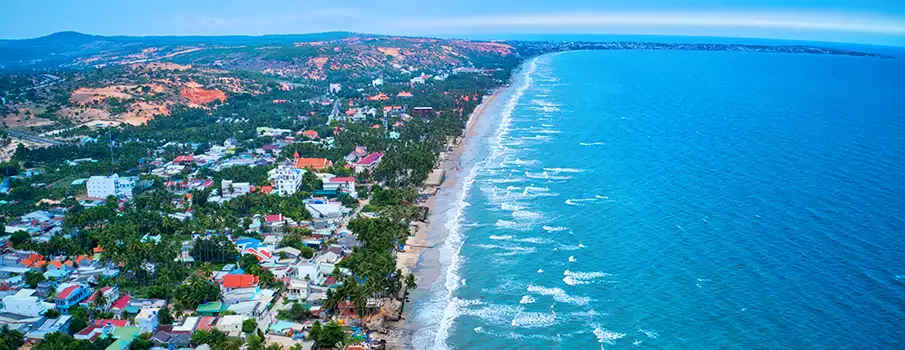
(421, 256)
(425, 235)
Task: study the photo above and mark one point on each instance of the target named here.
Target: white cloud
(756, 20)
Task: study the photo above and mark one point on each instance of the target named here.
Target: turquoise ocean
(678, 200)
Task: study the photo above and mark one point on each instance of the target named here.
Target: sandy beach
(420, 238)
(429, 234)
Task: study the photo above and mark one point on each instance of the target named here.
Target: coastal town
(244, 212)
(259, 196)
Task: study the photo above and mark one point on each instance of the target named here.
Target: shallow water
(678, 200)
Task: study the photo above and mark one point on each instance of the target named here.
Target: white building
(26, 306)
(377, 82)
(147, 319)
(228, 188)
(345, 184)
(335, 87)
(105, 186)
(286, 179)
(230, 324)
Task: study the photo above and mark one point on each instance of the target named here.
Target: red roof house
(240, 281)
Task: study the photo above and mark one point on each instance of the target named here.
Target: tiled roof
(239, 281)
(371, 158)
(66, 292)
(122, 302)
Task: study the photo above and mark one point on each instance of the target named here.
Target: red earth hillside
(201, 96)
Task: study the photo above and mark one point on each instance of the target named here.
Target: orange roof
(375, 126)
(56, 263)
(311, 134)
(239, 281)
(68, 263)
(81, 258)
(379, 97)
(404, 94)
(98, 250)
(350, 111)
(40, 263)
(312, 163)
(28, 261)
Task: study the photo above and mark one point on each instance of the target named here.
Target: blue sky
(862, 21)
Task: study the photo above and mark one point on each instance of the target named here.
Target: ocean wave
(554, 229)
(559, 295)
(508, 248)
(527, 215)
(507, 180)
(500, 238)
(564, 170)
(527, 299)
(511, 335)
(533, 320)
(605, 336)
(523, 226)
(572, 281)
(572, 259)
(591, 143)
(585, 276)
(434, 335)
(546, 176)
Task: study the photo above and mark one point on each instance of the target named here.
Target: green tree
(143, 342)
(315, 332)
(164, 316)
(79, 319)
(32, 278)
(332, 336)
(10, 339)
(249, 325)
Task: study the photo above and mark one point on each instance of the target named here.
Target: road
(32, 138)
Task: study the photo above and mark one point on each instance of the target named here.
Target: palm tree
(409, 286)
(100, 301)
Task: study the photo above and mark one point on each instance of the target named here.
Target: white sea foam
(546, 176)
(527, 215)
(572, 281)
(591, 143)
(585, 276)
(605, 336)
(570, 201)
(559, 295)
(527, 299)
(533, 320)
(564, 170)
(572, 259)
(540, 270)
(450, 252)
(500, 238)
(555, 229)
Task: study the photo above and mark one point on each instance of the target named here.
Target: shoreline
(431, 233)
(417, 242)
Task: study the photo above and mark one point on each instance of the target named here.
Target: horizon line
(487, 36)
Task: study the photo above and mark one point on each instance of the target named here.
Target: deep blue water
(681, 200)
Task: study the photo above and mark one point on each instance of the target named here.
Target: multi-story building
(105, 186)
(286, 179)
